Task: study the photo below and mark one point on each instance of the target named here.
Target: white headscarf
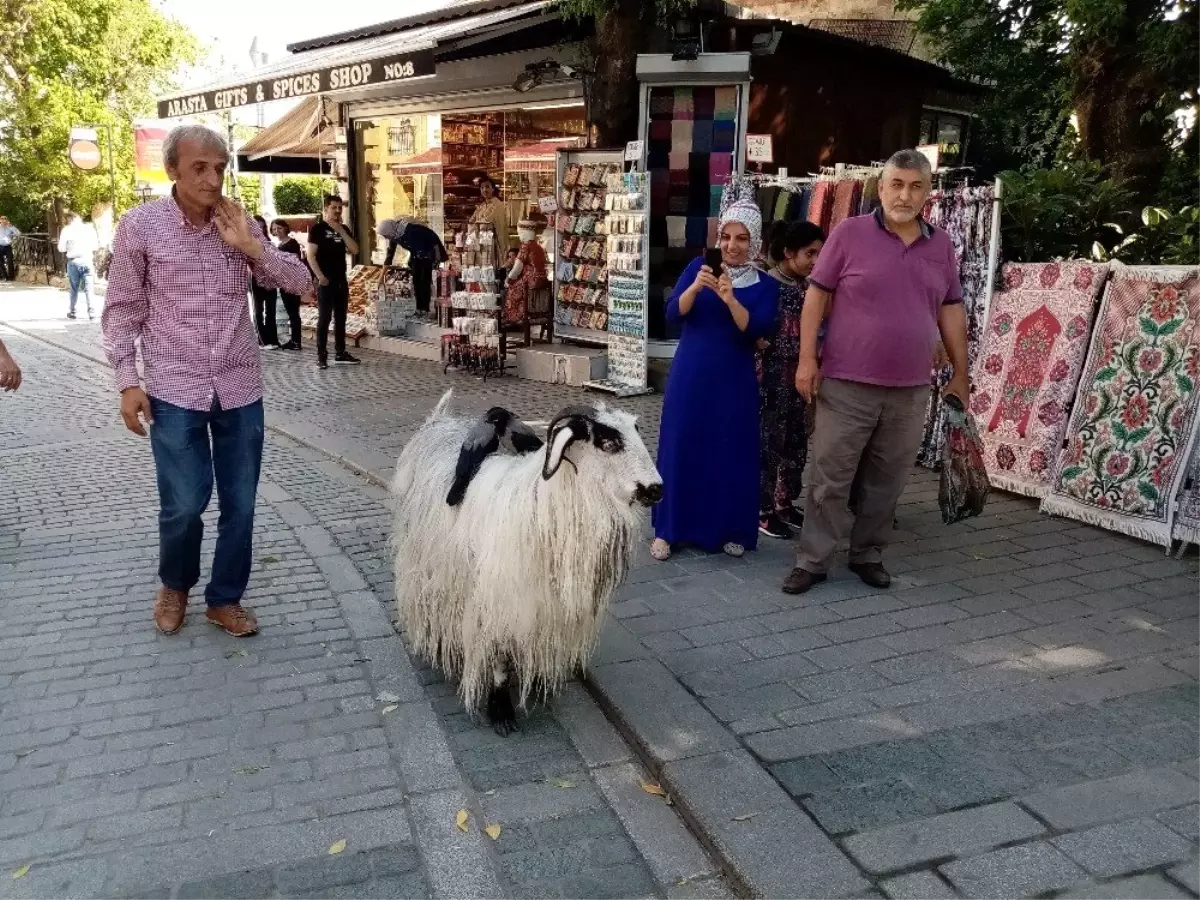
(747, 214)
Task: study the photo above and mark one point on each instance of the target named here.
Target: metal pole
(993, 256)
(112, 173)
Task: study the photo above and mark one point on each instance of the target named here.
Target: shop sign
(385, 70)
(84, 149)
(547, 205)
(759, 148)
(148, 138)
(931, 152)
(633, 151)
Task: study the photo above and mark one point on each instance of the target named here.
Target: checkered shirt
(181, 292)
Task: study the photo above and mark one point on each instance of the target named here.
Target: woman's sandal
(737, 551)
(660, 550)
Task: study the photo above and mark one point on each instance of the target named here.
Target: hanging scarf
(745, 213)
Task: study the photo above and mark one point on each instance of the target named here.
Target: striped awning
(307, 130)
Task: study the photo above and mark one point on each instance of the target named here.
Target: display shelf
(580, 272)
(626, 202)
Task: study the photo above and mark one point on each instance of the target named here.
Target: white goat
(513, 581)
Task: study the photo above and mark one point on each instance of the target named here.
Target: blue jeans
(185, 461)
(79, 276)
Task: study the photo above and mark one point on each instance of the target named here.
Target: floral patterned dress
(782, 415)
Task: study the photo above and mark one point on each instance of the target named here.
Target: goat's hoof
(501, 712)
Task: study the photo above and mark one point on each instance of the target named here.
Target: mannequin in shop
(492, 211)
(527, 274)
(425, 253)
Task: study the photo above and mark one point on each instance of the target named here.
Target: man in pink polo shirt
(889, 285)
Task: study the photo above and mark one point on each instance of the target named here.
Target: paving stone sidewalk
(138, 765)
(1017, 716)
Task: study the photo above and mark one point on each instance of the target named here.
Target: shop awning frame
(349, 68)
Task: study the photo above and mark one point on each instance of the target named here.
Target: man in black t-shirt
(328, 244)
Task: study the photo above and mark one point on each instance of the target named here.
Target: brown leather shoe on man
(170, 609)
(234, 618)
(873, 574)
(801, 580)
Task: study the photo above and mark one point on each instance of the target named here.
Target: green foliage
(1163, 238)
(1059, 213)
(300, 195)
(78, 62)
(1122, 68)
(250, 191)
(580, 9)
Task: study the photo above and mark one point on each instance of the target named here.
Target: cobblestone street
(1017, 716)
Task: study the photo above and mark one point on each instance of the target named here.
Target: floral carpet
(1134, 422)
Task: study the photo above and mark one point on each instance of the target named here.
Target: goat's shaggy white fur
(514, 580)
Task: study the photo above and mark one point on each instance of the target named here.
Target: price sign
(547, 205)
(758, 148)
(633, 151)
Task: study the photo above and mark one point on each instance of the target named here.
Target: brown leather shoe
(234, 618)
(873, 574)
(801, 580)
(170, 609)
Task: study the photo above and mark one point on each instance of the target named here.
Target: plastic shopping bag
(964, 486)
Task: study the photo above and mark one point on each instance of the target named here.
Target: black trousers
(422, 275)
(332, 302)
(291, 305)
(264, 315)
(8, 263)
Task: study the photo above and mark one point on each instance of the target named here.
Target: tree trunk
(1115, 100)
(620, 32)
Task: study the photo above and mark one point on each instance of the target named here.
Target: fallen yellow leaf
(387, 709)
(21, 872)
(651, 787)
(337, 847)
(493, 831)
(564, 783)
(462, 819)
(746, 818)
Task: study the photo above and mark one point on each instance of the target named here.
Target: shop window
(948, 131)
(402, 139)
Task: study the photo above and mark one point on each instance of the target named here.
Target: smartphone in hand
(712, 259)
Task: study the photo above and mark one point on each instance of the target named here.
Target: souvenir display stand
(475, 342)
(626, 205)
(581, 308)
(395, 303)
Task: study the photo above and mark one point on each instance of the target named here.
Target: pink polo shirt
(882, 323)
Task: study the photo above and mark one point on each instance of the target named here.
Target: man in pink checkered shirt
(177, 286)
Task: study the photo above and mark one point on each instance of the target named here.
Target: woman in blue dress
(708, 449)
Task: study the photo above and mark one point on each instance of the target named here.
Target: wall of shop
(825, 106)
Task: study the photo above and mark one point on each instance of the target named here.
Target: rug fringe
(1017, 486)
(1155, 533)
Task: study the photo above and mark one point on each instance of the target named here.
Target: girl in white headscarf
(708, 449)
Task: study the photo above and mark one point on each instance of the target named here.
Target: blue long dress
(708, 446)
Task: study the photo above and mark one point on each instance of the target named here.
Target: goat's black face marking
(606, 438)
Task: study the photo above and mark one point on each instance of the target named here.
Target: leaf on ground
(389, 708)
(564, 783)
(266, 560)
(337, 847)
(230, 654)
(493, 831)
(651, 787)
(462, 819)
(21, 872)
(747, 817)
(249, 770)
(387, 697)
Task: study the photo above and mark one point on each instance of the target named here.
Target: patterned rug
(1134, 419)
(1027, 368)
